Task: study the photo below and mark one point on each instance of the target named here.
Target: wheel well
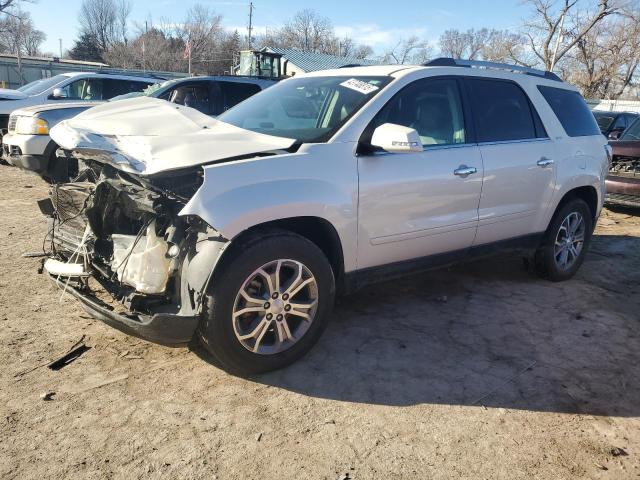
(586, 193)
(314, 229)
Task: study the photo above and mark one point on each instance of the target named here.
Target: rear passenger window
(502, 111)
(571, 110)
(236, 92)
(431, 107)
(113, 87)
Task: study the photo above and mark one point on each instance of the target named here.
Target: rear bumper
(162, 328)
(623, 191)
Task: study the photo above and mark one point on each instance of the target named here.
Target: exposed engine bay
(117, 239)
(625, 166)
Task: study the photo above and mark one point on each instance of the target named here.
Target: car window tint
(572, 111)
(633, 132)
(502, 111)
(235, 92)
(621, 122)
(604, 121)
(84, 89)
(112, 87)
(195, 96)
(431, 107)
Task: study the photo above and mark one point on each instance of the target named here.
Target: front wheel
(566, 241)
(268, 304)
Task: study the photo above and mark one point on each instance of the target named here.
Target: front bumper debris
(162, 328)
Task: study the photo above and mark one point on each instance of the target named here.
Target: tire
(221, 326)
(549, 256)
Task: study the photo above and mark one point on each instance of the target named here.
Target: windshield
(633, 132)
(39, 86)
(308, 109)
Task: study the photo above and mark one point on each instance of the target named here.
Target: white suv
(239, 231)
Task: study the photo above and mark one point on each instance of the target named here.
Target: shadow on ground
(487, 333)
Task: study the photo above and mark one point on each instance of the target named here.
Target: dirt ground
(481, 371)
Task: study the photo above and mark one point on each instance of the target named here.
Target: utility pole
(250, 29)
(144, 60)
(60, 40)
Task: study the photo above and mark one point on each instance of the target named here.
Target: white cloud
(378, 38)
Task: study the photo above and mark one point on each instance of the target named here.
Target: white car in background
(239, 231)
(70, 87)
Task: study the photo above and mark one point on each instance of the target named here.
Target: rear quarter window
(572, 111)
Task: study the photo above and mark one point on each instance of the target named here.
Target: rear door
(235, 92)
(518, 158)
(415, 205)
(196, 94)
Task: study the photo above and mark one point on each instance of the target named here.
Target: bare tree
(18, 34)
(123, 11)
(105, 20)
(604, 62)
(506, 46)
(467, 45)
(485, 44)
(7, 4)
(308, 31)
(409, 50)
(550, 21)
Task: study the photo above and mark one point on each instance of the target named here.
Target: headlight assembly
(32, 126)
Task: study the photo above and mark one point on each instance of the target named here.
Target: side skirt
(358, 279)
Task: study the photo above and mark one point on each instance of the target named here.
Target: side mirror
(58, 93)
(396, 139)
(615, 134)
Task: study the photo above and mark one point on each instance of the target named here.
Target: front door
(414, 205)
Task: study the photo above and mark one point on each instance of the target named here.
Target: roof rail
(454, 62)
(129, 73)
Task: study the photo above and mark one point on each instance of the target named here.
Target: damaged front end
(623, 181)
(116, 241)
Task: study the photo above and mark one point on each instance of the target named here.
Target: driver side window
(432, 107)
(84, 89)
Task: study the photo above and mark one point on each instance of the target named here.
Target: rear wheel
(566, 241)
(268, 304)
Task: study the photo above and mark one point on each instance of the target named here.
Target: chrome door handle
(545, 162)
(464, 171)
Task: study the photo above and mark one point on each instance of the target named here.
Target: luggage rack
(454, 62)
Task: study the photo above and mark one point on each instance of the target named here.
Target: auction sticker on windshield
(359, 86)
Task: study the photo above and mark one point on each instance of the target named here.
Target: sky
(379, 24)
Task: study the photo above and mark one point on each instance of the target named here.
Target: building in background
(15, 72)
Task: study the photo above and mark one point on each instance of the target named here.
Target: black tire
(216, 331)
(545, 261)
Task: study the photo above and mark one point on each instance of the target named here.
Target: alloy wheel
(275, 307)
(569, 240)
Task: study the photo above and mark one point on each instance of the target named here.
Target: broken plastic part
(141, 264)
(62, 269)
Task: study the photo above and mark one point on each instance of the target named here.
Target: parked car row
(239, 230)
(623, 181)
(28, 144)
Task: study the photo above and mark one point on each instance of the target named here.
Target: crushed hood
(10, 94)
(147, 135)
